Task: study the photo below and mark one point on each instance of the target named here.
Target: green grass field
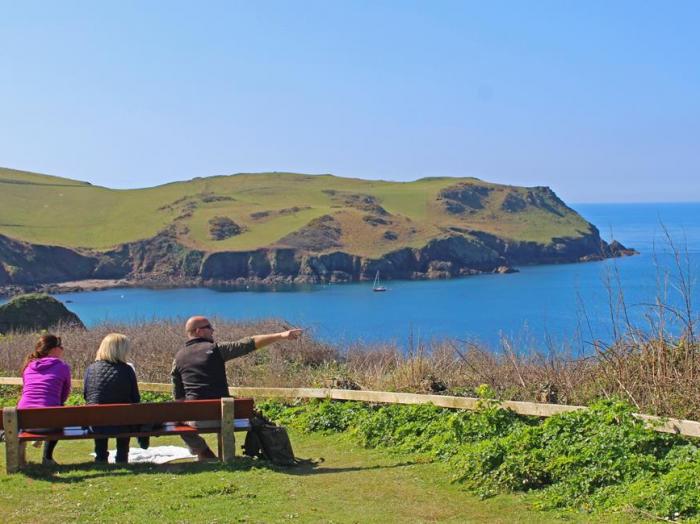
(350, 485)
(56, 211)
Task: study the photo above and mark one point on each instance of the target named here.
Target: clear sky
(598, 99)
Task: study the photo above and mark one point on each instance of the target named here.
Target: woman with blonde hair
(110, 380)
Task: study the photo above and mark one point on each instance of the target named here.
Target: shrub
(602, 458)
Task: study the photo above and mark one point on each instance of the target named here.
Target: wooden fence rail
(687, 428)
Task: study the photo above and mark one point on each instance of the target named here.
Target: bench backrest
(126, 414)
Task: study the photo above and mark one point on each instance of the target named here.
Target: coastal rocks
(439, 269)
(226, 265)
(35, 311)
(616, 249)
(284, 262)
(461, 251)
(159, 257)
(25, 263)
(162, 261)
(559, 250)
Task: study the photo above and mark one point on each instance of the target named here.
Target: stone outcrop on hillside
(35, 311)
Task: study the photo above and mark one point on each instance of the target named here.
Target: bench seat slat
(128, 414)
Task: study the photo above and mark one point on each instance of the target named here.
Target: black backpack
(269, 441)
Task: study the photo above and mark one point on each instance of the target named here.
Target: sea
(563, 306)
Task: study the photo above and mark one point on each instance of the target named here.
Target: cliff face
(24, 263)
(162, 259)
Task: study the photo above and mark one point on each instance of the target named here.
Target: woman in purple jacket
(46, 382)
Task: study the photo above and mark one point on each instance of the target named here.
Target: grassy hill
(244, 212)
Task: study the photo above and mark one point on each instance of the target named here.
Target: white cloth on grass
(154, 455)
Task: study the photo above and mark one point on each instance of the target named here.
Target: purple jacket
(46, 383)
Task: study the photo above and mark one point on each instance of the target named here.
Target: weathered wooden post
(228, 438)
(13, 453)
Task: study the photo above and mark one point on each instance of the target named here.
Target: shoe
(48, 462)
(207, 456)
(144, 442)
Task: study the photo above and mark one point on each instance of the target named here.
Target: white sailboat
(376, 287)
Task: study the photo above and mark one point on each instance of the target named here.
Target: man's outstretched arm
(265, 340)
(230, 350)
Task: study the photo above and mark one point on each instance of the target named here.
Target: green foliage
(602, 458)
(150, 396)
(9, 396)
(324, 416)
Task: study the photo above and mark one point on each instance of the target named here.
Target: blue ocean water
(540, 305)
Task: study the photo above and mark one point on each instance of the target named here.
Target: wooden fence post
(12, 446)
(228, 438)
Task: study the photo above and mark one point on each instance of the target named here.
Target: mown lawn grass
(350, 485)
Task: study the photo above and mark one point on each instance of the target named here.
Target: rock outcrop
(35, 311)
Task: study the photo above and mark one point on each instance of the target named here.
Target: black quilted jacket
(110, 383)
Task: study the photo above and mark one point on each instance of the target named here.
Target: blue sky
(599, 100)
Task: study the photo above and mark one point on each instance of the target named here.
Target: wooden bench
(234, 414)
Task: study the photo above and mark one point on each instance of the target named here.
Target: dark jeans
(49, 446)
(101, 452)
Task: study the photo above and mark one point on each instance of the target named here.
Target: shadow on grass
(75, 473)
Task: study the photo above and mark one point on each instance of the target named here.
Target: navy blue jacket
(110, 383)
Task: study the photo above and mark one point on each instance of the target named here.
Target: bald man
(199, 370)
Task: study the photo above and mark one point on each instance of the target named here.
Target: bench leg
(22, 454)
(13, 452)
(227, 437)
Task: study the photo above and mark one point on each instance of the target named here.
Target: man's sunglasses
(208, 326)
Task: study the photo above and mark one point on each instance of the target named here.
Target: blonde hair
(113, 348)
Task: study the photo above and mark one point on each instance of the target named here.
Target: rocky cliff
(163, 260)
